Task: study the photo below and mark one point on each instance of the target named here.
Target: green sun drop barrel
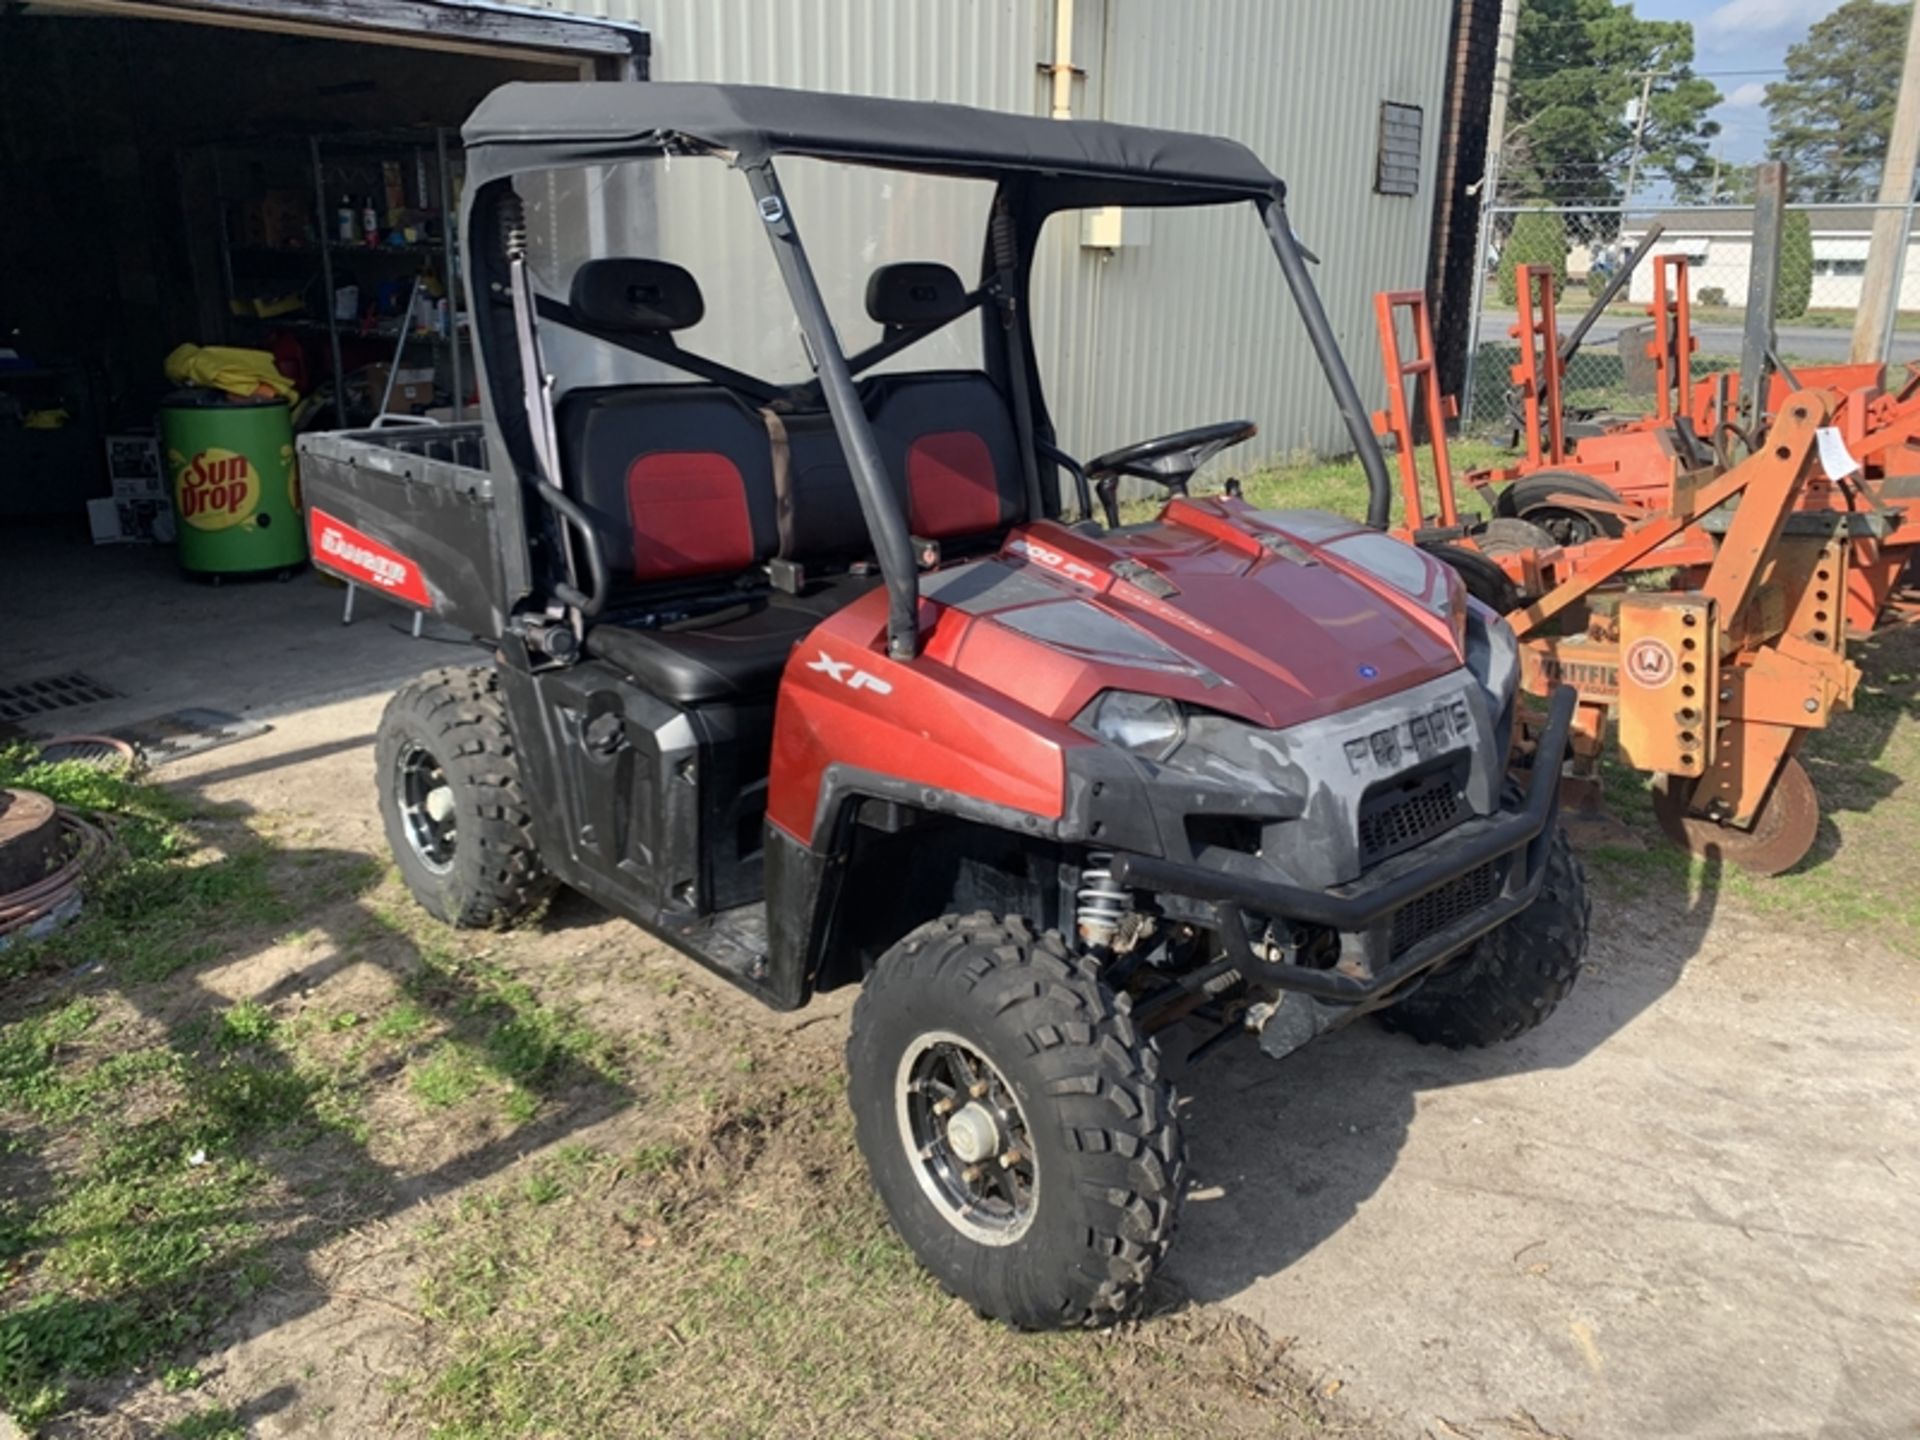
(236, 495)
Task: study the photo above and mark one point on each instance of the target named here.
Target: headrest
(648, 296)
(914, 294)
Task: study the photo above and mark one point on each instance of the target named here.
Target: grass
(151, 915)
(145, 1233)
(1305, 482)
(132, 1207)
(218, 1423)
(745, 1282)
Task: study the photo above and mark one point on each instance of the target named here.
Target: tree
(1831, 116)
(1539, 238)
(1578, 68)
(1795, 290)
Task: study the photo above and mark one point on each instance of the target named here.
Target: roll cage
(1038, 166)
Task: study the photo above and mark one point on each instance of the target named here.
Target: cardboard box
(412, 388)
(283, 220)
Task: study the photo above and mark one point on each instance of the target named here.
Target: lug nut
(941, 1107)
(978, 1090)
(1011, 1158)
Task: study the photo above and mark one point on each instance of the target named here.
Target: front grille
(1403, 816)
(1437, 909)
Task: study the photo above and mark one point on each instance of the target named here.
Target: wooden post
(1763, 284)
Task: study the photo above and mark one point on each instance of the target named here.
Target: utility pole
(1509, 38)
(1887, 252)
(1639, 130)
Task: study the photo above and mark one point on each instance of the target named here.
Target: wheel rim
(426, 808)
(1567, 526)
(967, 1139)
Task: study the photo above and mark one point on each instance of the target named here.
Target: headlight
(1147, 725)
(1493, 655)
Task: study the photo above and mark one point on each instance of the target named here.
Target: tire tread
(1114, 1110)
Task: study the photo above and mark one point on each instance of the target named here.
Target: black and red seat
(692, 488)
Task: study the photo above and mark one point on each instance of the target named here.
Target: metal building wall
(1193, 325)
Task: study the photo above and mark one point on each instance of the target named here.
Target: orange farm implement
(1699, 602)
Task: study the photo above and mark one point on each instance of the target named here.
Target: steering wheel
(1169, 460)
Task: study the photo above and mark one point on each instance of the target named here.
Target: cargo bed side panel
(409, 514)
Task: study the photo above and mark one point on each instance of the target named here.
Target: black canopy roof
(525, 126)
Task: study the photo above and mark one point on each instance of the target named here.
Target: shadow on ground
(255, 1109)
(1340, 1109)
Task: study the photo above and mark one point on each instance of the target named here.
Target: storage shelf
(386, 335)
(358, 164)
(432, 247)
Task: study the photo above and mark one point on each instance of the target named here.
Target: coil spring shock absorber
(1100, 905)
(513, 227)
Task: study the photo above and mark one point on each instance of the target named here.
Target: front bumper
(1504, 855)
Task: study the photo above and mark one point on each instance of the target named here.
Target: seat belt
(780, 447)
(1004, 257)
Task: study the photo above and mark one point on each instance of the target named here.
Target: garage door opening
(170, 183)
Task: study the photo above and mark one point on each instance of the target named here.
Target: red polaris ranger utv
(809, 655)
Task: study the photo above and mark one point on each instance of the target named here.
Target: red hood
(1278, 617)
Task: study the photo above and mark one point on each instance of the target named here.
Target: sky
(1740, 45)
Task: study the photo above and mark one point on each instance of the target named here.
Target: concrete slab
(1688, 1205)
(127, 617)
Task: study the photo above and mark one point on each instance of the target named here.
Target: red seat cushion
(688, 509)
(952, 486)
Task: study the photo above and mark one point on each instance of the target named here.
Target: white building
(1718, 244)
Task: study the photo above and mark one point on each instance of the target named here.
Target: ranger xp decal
(358, 557)
(845, 674)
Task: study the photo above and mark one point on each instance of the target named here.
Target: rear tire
(451, 798)
(1513, 978)
(1070, 1231)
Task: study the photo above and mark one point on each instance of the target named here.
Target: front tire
(451, 798)
(1015, 1123)
(1514, 977)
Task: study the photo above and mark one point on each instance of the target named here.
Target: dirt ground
(1684, 1207)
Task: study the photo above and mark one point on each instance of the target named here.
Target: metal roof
(1737, 221)
(529, 126)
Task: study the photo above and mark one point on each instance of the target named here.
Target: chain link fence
(1823, 263)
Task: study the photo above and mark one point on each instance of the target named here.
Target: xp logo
(1649, 663)
(842, 672)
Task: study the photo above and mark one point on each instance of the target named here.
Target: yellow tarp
(247, 373)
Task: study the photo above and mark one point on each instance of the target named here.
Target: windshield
(697, 212)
